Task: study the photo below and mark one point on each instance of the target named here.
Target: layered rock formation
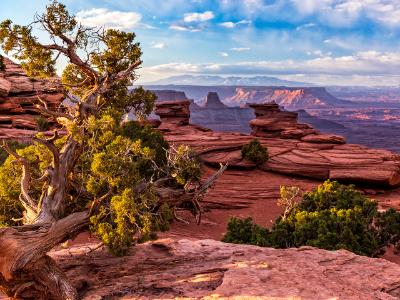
(213, 101)
(288, 97)
(169, 95)
(217, 116)
(174, 112)
(272, 122)
(207, 269)
(314, 155)
(18, 96)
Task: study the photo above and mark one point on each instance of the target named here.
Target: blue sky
(320, 41)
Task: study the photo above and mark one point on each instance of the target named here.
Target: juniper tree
(94, 171)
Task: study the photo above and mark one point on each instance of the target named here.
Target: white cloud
(110, 19)
(234, 24)
(155, 45)
(345, 12)
(367, 63)
(184, 28)
(228, 24)
(305, 26)
(198, 17)
(224, 54)
(240, 49)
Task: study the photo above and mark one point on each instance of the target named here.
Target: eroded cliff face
(290, 98)
(295, 149)
(18, 96)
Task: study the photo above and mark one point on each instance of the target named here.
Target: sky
(325, 42)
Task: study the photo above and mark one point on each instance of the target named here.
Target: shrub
(42, 124)
(332, 217)
(246, 232)
(2, 66)
(150, 138)
(255, 152)
(14, 146)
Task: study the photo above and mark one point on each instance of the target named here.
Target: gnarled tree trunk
(25, 269)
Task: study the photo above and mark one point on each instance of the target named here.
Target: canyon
(373, 124)
(187, 261)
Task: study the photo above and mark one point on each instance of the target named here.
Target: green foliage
(35, 59)
(246, 232)
(332, 217)
(255, 152)
(129, 218)
(184, 165)
(10, 175)
(2, 66)
(150, 138)
(42, 123)
(13, 145)
(111, 167)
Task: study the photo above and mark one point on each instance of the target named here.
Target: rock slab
(208, 269)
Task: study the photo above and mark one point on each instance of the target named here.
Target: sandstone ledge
(208, 269)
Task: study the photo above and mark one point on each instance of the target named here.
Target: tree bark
(25, 269)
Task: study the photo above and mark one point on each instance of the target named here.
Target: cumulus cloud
(346, 12)
(110, 19)
(224, 54)
(367, 63)
(198, 17)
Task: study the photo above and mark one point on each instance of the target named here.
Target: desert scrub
(332, 216)
(42, 124)
(2, 66)
(255, 152)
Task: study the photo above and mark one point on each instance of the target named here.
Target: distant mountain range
(205, 80)
(292, 98)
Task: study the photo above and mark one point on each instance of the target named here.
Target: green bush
(255, 152)
(246, 232)
(2, 66)
(42, 124)
(332, 217)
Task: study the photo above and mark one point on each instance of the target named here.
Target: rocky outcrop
(174, 112)
(18, 96)
(272, 122)
(208, 269)
(169, 95)
(213, 101)
(315, 155)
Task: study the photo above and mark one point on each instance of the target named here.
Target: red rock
(316, 156)
(18, 96)
(324, 138)
(207, 269)
(174, 112)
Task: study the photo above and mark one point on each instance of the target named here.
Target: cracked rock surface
(208, 269)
